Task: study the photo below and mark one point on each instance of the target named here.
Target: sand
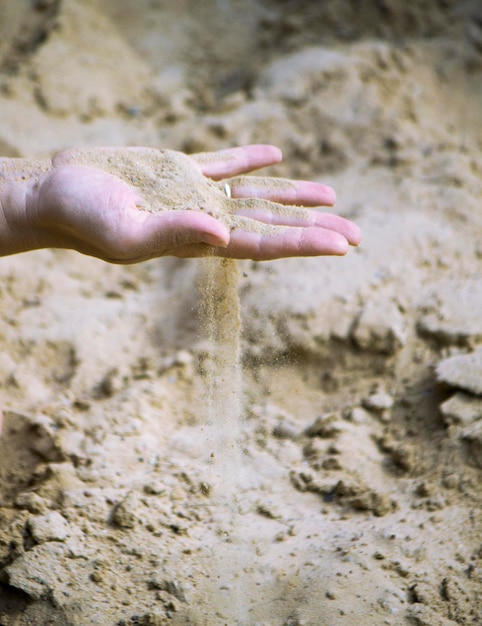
(348, 490)
(169, 180)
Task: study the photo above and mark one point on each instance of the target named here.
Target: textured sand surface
(334, 479)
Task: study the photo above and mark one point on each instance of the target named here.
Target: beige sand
(168, 180)
(348, 489)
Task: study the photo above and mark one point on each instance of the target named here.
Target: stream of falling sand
(168, 180)
(221, 326)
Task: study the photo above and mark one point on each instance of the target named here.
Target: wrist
(19, 184)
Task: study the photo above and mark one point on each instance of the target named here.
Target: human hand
(99, 202)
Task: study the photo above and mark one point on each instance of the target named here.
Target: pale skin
(59, 205)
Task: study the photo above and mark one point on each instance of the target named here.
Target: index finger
(283, 190)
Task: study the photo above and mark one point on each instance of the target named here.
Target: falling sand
(166, 181)
(172, 181)
(226, 559)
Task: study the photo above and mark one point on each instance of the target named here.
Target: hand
(90, 210)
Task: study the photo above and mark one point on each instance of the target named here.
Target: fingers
(271, 235)
(265, 231)
(283, 190)
(292, 242)
(280, 215)
(234, 161)
(270, 220)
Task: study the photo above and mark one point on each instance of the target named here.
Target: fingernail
(331, 195)
(215, 240)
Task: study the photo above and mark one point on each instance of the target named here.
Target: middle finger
(283, 190)
(281, 215)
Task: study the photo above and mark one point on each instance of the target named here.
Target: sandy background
(353, 493)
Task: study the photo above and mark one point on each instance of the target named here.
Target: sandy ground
(347, 489)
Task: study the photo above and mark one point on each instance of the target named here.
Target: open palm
(97, 213)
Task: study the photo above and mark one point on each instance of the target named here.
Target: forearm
(19, 180)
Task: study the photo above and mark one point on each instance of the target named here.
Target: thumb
(162, 232)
